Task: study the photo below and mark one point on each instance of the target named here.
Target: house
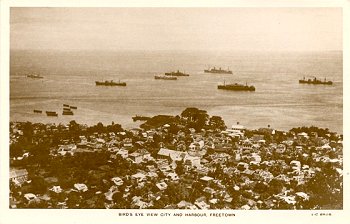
(281, 148)
(242, 166)
(248, 172)
(30, 196)
(136, 157)
(257, 138)
(302, 136)
(265, 175)
(19, 176)
(56, 189)
(138, 203)
(202, 170)
(117, 181)
(255, 158)
(139, 155)
(127, 142)
(290, 200)
(247, 146)
(152, 175)
(195, 161)
(284, 178)
(300, 179)
(236, 130)
(173, 176)
(303, 196)
(296, 165)
(209, 191)
(185, 205)
(139, 177)
(64, 149)
(100, 140)
(123, 153)
(206, 179)
(245, 207)
(202, 205)
(81, 187)
(165, 169)
(194, 146)
(298, 148)
(162, 186)
(164, 153)
(111, 191)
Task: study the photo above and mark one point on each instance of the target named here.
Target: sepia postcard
(177, 111)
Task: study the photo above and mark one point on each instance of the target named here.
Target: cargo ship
(177, 73)
(236, 87)
(315, 81)
(165, 77)
(218, 71)
(110, 83)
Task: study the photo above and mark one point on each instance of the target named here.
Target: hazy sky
(276, 29)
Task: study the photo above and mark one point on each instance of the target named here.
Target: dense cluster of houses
(210, 169)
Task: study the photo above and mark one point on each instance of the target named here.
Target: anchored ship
(315, 81)
(218, 71)
(110, 83)
(236, 87)
(177, 73)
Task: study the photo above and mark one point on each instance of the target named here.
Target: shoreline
(133, 125)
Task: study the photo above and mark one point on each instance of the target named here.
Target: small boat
(38, 111)
(165, 77)
(73, 107)
(66, 109)
(33, 76)
(51, 113)
(65, 105)
(67, 112)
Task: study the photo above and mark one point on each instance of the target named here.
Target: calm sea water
(279, 100)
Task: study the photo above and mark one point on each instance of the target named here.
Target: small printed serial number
(321, 214)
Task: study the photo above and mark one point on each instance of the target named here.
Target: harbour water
(279, 100)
